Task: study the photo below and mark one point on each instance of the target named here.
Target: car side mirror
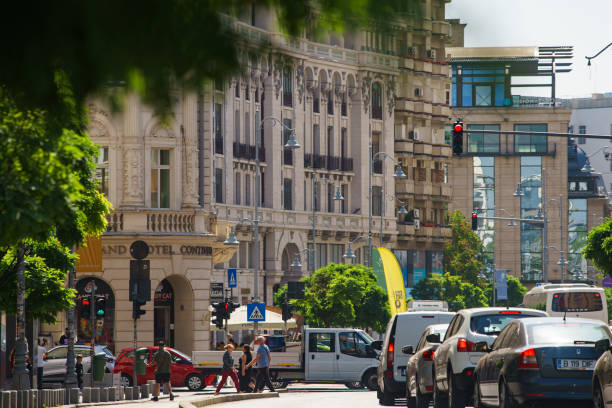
(408, 350)
(433, 338)
(602, 345)
(376, 344)
(481, 347)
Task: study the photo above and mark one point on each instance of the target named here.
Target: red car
(182, 371)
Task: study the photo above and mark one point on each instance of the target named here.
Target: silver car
(54, 361)
(419, 382)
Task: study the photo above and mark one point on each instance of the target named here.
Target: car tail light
(390, 350)
(528, 360)
(428, 355)
(463, 346)
(509, 312)
(429, 387)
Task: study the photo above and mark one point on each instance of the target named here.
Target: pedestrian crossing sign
(256, 312)
(231, 278)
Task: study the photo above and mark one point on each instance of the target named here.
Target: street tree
(463, 254)
(516, 292)
(598, 247)
(452, 289)
(341, 295)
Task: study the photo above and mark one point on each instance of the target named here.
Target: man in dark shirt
(163, 361)
(64, 338)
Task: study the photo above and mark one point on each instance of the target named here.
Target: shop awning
(238, 321)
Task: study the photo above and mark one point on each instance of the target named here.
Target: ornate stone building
(182, 187)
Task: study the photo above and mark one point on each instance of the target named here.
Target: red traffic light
(226, 306)
(474, 216)
(458, 127)
(85, 302)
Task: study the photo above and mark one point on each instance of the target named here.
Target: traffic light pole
(92, 325)
(135, 345)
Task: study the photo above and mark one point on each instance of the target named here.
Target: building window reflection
(577, 238)
(531, 234)
(484, 203)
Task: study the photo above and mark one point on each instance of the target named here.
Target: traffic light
(232, 306)
(85, 307)
(100, 307)
(474, 221)
(218, 314)
(136, 310)
(286, 311)
(458, 137)
(140, 282)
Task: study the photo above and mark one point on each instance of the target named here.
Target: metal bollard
(95, 394)
(74, 396)
(86, 394)
(128, 393)
(144, 391)
(13, 399)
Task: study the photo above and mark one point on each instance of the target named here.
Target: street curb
(225, 398)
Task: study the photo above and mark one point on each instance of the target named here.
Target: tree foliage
(462, 256)
(452, 289)
(516, 293)
(599, 247)
(46, 266)
(342, 296)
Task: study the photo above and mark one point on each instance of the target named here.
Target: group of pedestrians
(243, 377)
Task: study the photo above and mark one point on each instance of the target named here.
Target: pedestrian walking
(228, 370)
(79, 371)
(163, 361)
(262, 359)
(64, 337)
(246, 374)
(41, 350)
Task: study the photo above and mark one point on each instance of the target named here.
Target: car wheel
(355, 385)
(370, 380)
(126, 380)
(194, 382)
(386, 399)
(421, 400)
(456, 397)
(598, 401)
(477, 401)
(505, 399)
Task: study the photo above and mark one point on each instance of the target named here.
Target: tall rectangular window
(330, 140)
(237, 126)
(376, 201)
(531, 234)
(219, 186)
(317, 200)
(218, 128)
(316, 135)
(484, 203)
(330, 198)
(160, 178)
(237, 189)
(581, 131)
(287, 87)
(330, 102)
(376, 164)
(483, 142)
(344, 143)
(247, 189)
(247, 128)
(321, 255)
(577, 239)
(530, 143)
(101, 175)
(335, 253)
(287, 194)
(287, 153)
(345, 202)
(237, 89)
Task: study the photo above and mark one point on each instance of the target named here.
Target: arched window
(376, 101)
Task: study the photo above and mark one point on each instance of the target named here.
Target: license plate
(575, 364)
(403, 372)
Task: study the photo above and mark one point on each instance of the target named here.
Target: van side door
(321, 356)
(353, 358)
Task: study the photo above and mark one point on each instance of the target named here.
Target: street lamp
(231, 238)
(399, 173)
(338, 196)
(291, 144)
(349, 251)
(296, 260)
(587, 168)
(402, 211)
(519, 191)
(596, 55)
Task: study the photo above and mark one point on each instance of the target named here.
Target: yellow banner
(90, 256)
(394, 281)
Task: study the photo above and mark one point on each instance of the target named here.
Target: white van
(570, 299)
(403, 329)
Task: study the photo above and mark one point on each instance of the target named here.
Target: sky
(584, 24)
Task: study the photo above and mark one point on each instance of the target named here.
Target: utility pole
(71, 379)
(92, 324)
(22, 377)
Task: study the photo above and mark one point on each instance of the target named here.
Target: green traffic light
(100, 312)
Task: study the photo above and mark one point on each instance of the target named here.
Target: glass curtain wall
(483, 142)
(484, 203)
(577, 239)
(531, 234)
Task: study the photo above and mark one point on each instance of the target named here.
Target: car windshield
(493, 324)
(183, 355)
(366, 337)
(566, 333)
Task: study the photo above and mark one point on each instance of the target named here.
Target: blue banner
(501, 281)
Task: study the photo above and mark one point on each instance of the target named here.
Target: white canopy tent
(238, 321)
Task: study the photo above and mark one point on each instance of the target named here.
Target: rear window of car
(576, 302)
(494, 323)
(566, 333)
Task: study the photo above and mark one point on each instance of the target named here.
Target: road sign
(607, 282)
(232, 278)
(256, 312)
(216, 292)
(501, 276)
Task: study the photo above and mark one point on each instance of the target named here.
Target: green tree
(516, 293)
(452, 289)
(462, 256)
(343, 296)
(598, 248)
